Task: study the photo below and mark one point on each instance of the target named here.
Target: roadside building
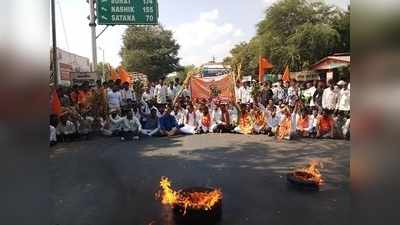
(69, 64)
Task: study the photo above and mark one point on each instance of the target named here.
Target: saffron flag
(113, 73)
(55, 103)
(286, 75)
(263, 65)
(123, 75)
(202, 87)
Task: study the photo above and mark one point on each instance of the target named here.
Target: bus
(213, 69)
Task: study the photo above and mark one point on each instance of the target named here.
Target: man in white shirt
(127, 96)
(161, 92)
(273, 120)
(147, 96)
(329, 97)
(178, 86)
(242, 93)
(293, 93)
(309, 93)
(130, 127)
(249, 98)
(280, 92)
(114, 99)
(186, 93)
(179, 114)
(171, 91)
(114, 124)
(216, 118)
(237, 92)
(191, 119)
(152, 90)
(343, 102)
(233, 115)
(245, 93)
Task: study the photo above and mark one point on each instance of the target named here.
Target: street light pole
(53, 25)
(92, 25)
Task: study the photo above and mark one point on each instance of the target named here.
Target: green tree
(342, 24)
(244, 57)
(300, 32)
(150, 50)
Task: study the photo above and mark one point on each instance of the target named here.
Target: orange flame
(194, 200)
(310, 172)
(169, 196)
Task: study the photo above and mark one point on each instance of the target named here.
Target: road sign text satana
(127, 12)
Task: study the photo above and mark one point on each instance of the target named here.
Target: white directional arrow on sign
(104, 9)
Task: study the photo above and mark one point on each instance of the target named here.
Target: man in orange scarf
(303, 124)
(260, 122)
(325, 125)
(245, 121)
(284, 128)
(205, 120)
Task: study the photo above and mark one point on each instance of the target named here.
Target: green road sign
(127, 12)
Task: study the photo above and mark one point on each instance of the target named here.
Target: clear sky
(203, 28)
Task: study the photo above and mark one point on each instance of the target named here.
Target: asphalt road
(108, 182)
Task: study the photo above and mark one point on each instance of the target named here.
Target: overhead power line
(63, 25)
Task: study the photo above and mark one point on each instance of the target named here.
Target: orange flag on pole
(286, 75)
(263, 65)
(123, 75)
(55, 103)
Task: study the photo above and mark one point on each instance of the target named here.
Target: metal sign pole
(92, 25)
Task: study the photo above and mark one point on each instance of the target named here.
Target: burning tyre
(198, 215)
(307, 177)
(195, 206)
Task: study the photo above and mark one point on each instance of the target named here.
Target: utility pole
(53, 28)
(92, 25)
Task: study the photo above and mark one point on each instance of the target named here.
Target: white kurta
(329, 99)
(343, 102)
(161, 92)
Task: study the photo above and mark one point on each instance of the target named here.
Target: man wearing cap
(343, 103)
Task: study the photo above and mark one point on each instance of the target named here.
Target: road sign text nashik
(127, 12)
